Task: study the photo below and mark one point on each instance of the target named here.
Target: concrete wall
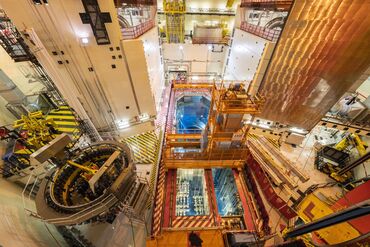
(84, 73)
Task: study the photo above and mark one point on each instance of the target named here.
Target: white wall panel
(203, 58)
(153, 61)
(245, 55)
(134, 52)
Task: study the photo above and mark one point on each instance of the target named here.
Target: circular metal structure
(90, 185)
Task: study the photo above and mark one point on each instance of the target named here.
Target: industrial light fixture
(143, 117)
(298, 130)
(263, 125)
(181, 47)
(85, 40)
(122, 124)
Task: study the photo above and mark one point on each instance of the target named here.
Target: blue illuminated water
(228, 202)
(192, 114)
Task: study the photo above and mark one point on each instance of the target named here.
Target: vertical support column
(248, 219)
(212, 196)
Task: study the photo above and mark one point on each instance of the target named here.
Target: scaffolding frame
(175, 20)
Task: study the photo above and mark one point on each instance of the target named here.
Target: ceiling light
(85, 40)
(181, 47)
(209, 47)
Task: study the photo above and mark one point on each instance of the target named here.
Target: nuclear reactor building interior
(184, 123)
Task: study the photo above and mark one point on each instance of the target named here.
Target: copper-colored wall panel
(323, 50)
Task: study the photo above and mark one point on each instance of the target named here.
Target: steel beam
(358, 210)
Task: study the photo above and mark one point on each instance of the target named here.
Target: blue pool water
(192, 114)
(227, 197)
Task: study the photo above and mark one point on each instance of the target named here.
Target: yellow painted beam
(192, 85)
(183, 136)
(201, 164)
(84, 168)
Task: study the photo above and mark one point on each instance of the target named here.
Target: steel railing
(136, 31)
(215, 154)
(186, 131)
(266, 3)
(211, 40)
(265, 33)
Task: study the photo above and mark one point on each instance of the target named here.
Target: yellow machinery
(38, 129)
(34, 131)
(342, 146)
(353, 138)
(175, 20)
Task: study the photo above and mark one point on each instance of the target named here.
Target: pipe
(354, 164)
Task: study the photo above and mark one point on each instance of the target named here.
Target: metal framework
(175, 20)
(12, 41)
(97, 20)
(136, 31)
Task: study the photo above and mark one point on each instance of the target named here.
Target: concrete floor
(119, 234)
(17, 228)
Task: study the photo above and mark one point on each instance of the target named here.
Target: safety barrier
(266, 33)
(136, 31)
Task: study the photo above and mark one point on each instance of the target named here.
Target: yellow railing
(214, 154)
